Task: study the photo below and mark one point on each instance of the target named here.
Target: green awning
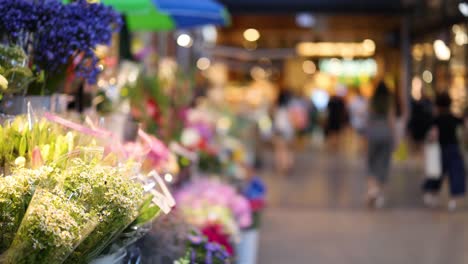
(143, 15)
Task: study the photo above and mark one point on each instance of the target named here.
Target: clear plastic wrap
(109, 191)
(81, 177)
(16, 192)
(34, 141)
(52, 228)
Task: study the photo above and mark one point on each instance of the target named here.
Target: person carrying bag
(432, 156)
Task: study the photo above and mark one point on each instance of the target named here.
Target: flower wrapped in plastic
(52, 228)
(83, 180)
(34, 142)
(14, 69)
(16, 192)
(111, 193)
(155, 202)
(147, 149)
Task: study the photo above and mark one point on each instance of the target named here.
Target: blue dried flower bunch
(54, 34)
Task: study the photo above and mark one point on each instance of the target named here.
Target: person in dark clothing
(336, 115)
(446, 125)
(421, 119)
(336, 121)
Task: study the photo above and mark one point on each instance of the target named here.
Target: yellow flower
(3, 82)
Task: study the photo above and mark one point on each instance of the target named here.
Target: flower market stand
(16, 105)
(247, 248)
(116, 258)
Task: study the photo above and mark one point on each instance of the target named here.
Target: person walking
(359, 110)
(421, 118)
(336, 122)
(380, 136)
(446, 124)
(284, 133)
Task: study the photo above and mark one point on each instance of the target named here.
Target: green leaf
(147, 202)
(22, 146)
(20, 71)
(18, 78)
(147, 215)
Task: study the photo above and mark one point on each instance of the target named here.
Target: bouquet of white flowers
(52, 228)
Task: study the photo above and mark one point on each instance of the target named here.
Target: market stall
(98, 145)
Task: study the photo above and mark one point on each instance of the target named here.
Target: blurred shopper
(284, 133)
(358, 110)
(299, 116)
(336, 121)
(446, 125)
(313, 117)
(422, 112)
(298, 113)
(380, 135)
(432, 166)
(359, 113)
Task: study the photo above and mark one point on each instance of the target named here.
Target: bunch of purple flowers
(56, 35)
(200, 250)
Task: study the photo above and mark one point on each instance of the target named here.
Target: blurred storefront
(313, 56)
(440, 52)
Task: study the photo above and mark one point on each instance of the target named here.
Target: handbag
(433, 160)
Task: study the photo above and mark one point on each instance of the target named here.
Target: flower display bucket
(115, 258)
(17, 105)
(247, 249)
(121, 125)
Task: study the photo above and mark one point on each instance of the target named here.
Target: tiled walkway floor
(317, 215)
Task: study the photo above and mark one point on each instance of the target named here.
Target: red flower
(257, 204)
(152, 108)
(214, 233)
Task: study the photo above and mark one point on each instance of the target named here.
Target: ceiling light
(335, 67)
(368, 45)
(251, 34)
(463, 7)
(427, 76)
(305, 20)
(349, 68)
(210, 34)
(184, 40)
(441, 50)
(456, 28)
(336, 49)
(203, 63)
(309, 67)
(258, 73)
(461, 38)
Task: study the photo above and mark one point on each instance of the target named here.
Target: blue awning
(192, 13)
